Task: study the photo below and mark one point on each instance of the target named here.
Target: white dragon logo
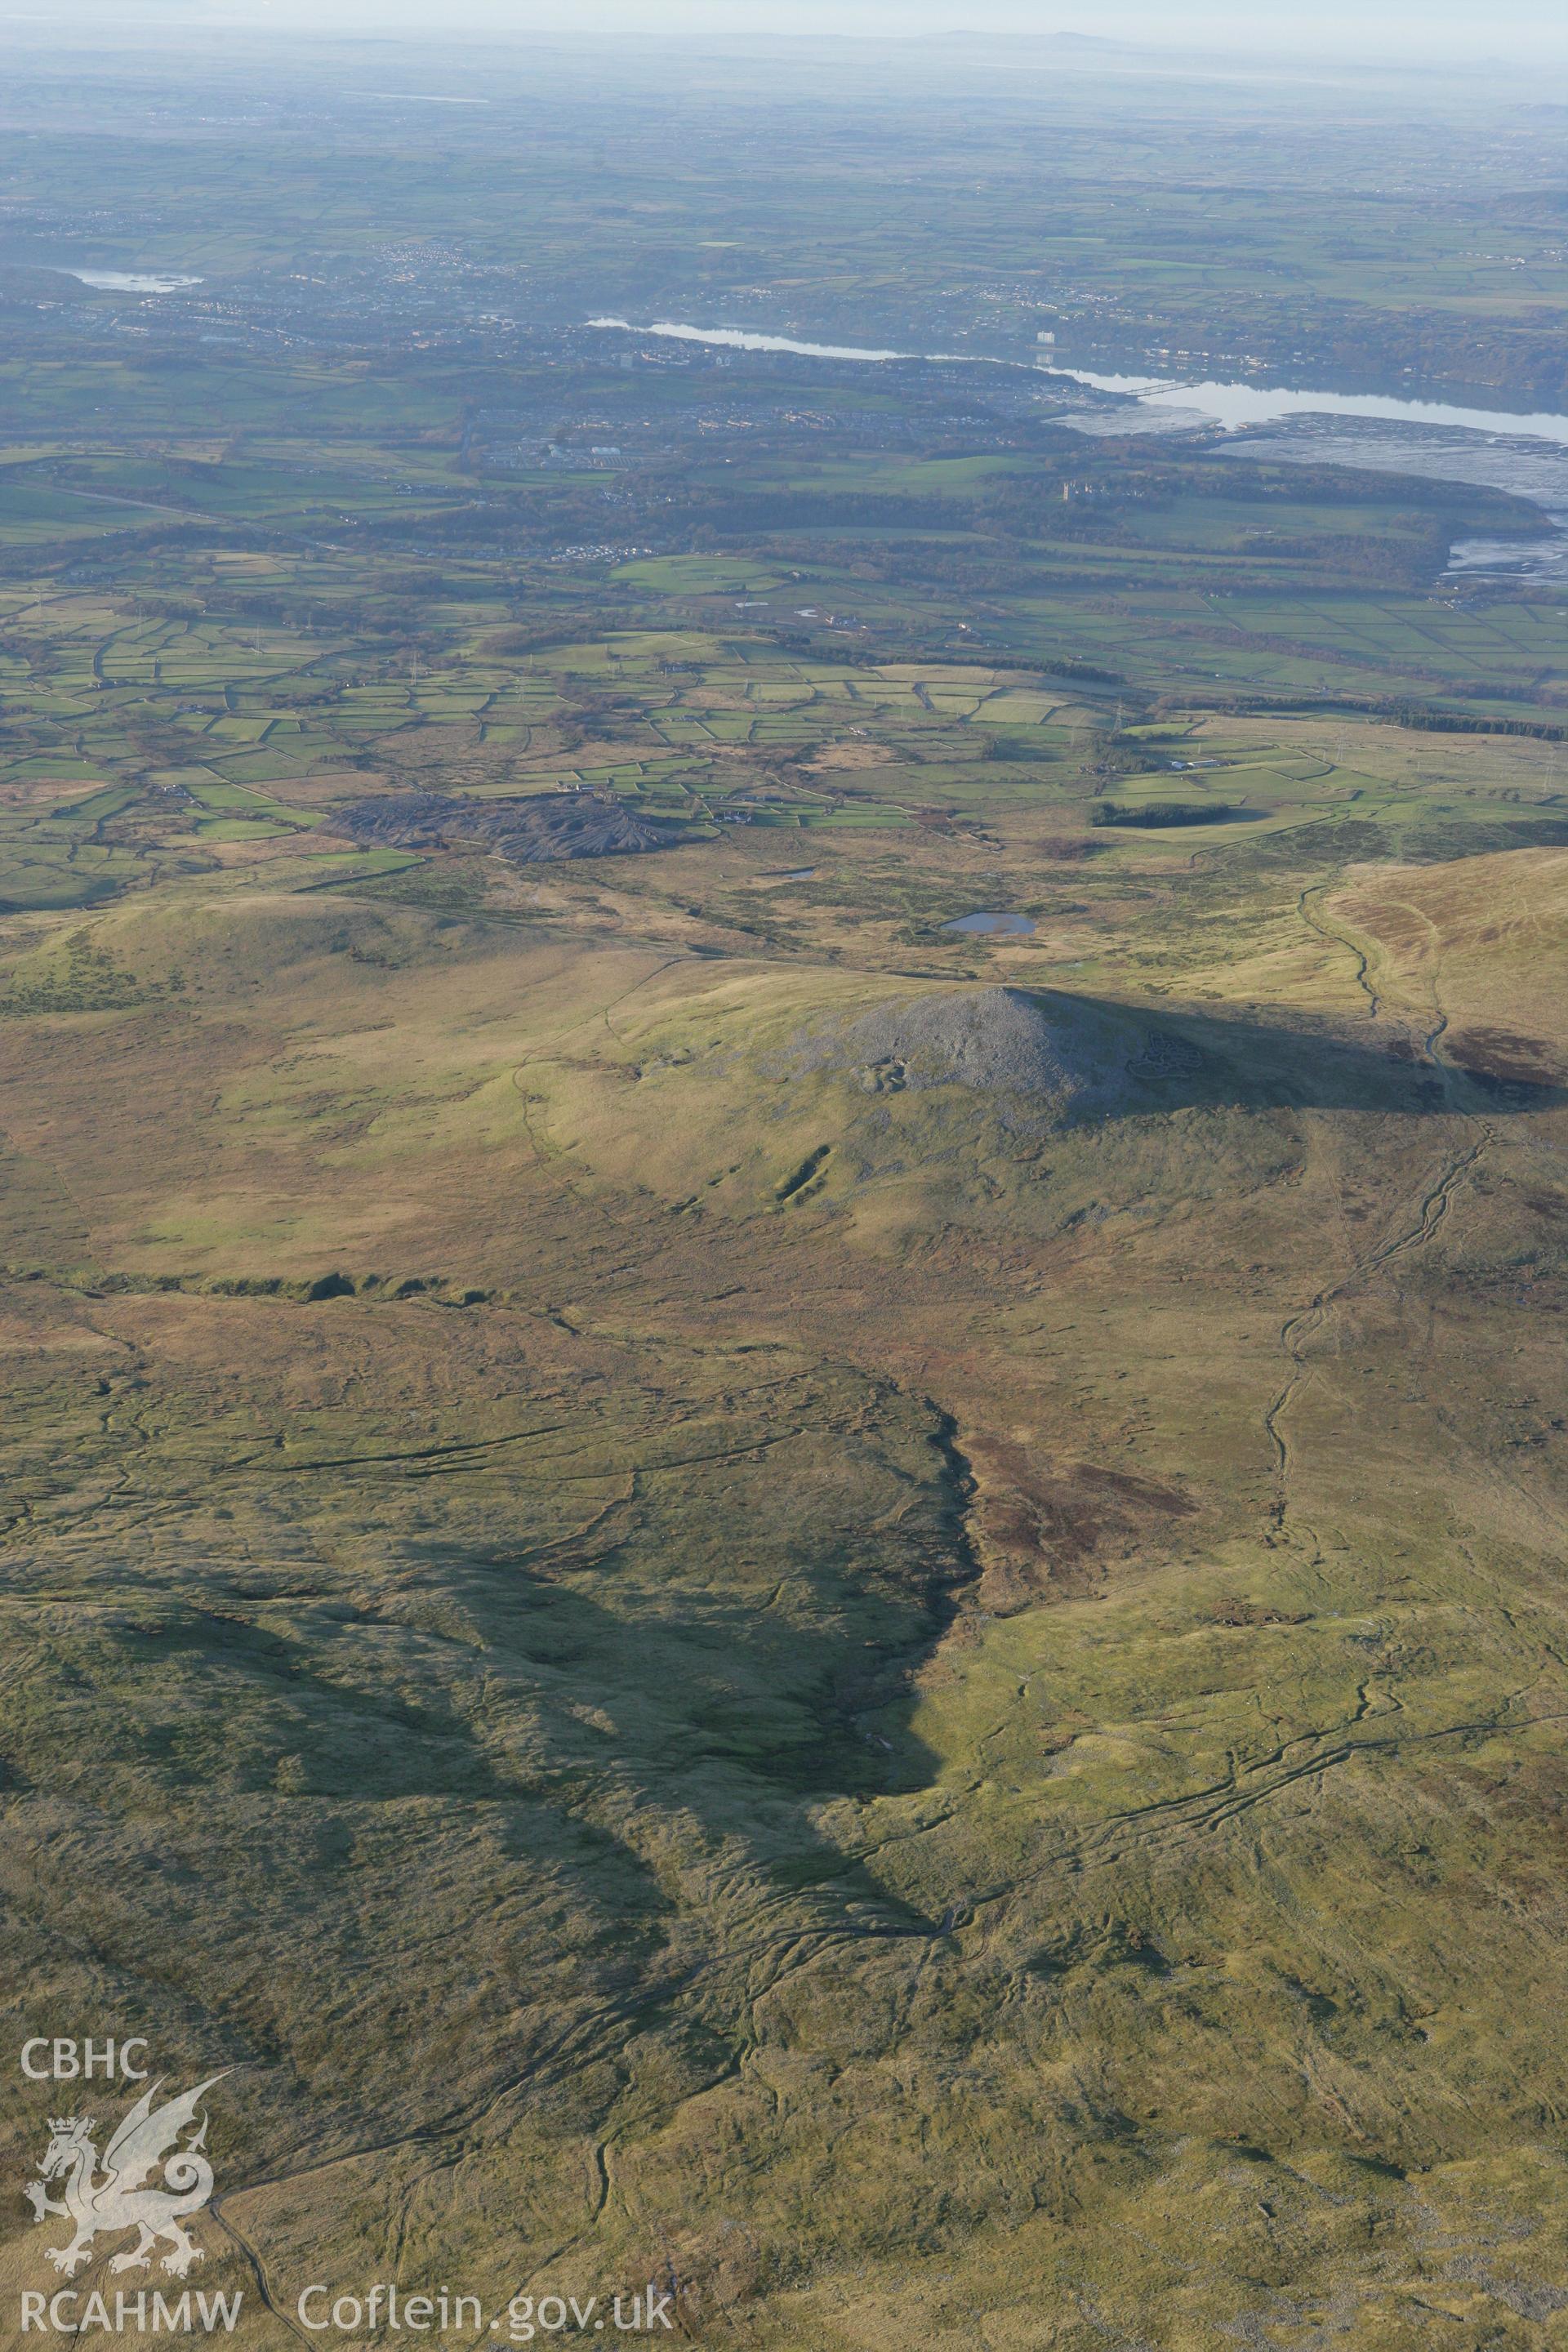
(120, 2199)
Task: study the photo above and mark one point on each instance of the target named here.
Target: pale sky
(1413, 29)
(1418, 32)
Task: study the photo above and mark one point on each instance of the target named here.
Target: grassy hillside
(957, 1746)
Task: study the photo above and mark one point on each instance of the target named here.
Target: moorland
(733, 1587)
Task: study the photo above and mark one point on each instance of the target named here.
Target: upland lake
(1010, 927)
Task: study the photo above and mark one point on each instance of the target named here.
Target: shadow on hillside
(1219, 1059)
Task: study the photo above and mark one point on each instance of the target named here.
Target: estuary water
(1525, 452)
(740, 339)
(1236, 405)
(1230, 404)
(126, 281)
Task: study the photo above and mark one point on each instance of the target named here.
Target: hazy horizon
(1520, 34)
